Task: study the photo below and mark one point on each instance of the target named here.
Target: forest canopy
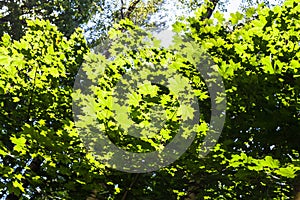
(256, 53)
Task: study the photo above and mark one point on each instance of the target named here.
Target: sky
(232, 7)
(171, 12)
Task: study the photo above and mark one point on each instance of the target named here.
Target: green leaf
(6, 39)
(177, 84)
(288, 172)
(147, 88)
(54, 72)
(219, 16)
(5, 60)
(250, 12)
(186, 112)
(134, 98)
(270, 162)
(20, 144)
(3, 152)
(18, 185)
(267, 65)
(122, 116)
(16, 99)
(236, 17)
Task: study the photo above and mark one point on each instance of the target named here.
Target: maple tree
(42, 153)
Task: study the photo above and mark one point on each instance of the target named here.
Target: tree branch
(131, 8)
(122, 7)
(210, 10)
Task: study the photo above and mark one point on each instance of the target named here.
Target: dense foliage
(66, 15)
(257, 155)
(40, 153)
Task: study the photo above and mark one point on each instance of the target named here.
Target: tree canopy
(67, 15)
(44, 156)
(97, 17)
